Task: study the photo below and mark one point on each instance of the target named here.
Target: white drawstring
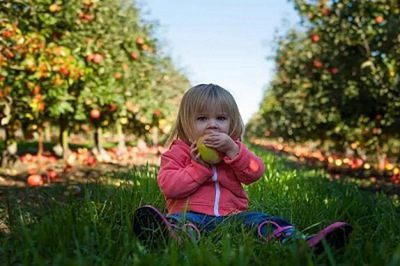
(217, 190)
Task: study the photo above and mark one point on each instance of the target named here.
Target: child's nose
(212, 123)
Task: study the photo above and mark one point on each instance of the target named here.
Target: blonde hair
(199, 99)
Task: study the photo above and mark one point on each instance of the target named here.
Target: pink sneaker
(153, 228)
(336, 235)
(284, 234)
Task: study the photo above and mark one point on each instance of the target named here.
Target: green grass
(46, 227)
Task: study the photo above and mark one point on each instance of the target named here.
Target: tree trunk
(155, 136)
(98, 150)
(121, 138)
(97, 140)
(63, 140)
(9, 156)
(40, 149)
(47, 133)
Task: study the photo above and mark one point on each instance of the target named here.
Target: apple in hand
(207, 154)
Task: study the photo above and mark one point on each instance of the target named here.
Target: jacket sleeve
(179, 175)
(247, 166)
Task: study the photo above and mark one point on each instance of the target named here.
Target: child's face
(211, 121)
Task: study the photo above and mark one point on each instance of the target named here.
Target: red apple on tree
(7, 34)
(145, 47)
(8, 53)
(134, 55)
(379, 19)
(316, 63)
(87, 3)
(95, 113)
(36, 90)
(334, 71)
(325, 11)
(64, 70)
(157, 112)
(314, 38)
(54, 8)
(139, 40)
(113, 107)
(90, 57)
(89, 17)
(97, 58)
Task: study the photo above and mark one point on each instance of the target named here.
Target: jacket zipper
(217, 191)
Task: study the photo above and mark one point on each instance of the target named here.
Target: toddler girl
(199, 195)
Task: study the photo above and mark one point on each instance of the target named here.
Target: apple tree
(80, 62)
(337, 78)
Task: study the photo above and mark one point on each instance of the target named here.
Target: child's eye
(222, 118)
(201, 118)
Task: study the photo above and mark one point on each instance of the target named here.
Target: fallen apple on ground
(53, 175)
(207, 154)
(35, 180)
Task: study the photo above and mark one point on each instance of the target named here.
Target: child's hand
(221, 142)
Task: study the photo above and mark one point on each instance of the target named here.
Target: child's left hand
(221, 142)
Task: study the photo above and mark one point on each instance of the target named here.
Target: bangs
(213, 100)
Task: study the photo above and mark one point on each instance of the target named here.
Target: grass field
(46, 226)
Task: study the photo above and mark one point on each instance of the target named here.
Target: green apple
(207, 154)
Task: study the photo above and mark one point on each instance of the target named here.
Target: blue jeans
(250, 220)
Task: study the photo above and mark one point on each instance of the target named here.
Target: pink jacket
(188, 185)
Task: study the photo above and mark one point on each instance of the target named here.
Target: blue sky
(223, 42)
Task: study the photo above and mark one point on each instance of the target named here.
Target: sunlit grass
(95, 228)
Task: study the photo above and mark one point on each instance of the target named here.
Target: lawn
(55, 225)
